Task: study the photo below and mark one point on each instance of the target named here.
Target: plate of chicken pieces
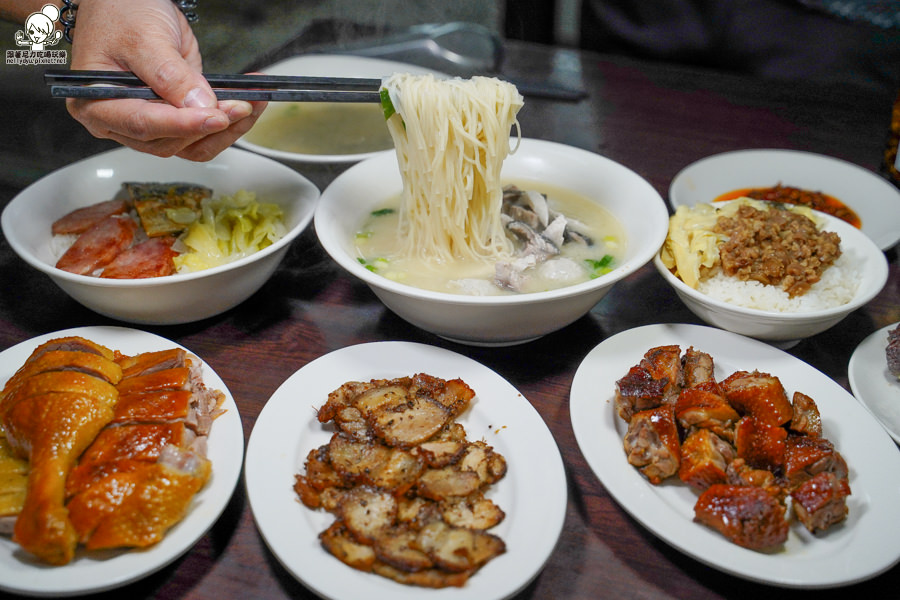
(739, 455)
(402, 470)
(101, 427)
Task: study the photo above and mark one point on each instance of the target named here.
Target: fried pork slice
(806, 418)
(806, 457)
(748, 516)
(403, 412)
(428, 578)
(652, 445)
(471, 512)
(398, 549)
(340, 543)
(759, 395)
(759, 443)
(478, 467)
(821, 501)
(696, 368)
(373, 463)
(367, 513)
(704, 407)
(458, 549)
(704, 459)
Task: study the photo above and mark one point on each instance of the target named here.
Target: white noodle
(451, 138)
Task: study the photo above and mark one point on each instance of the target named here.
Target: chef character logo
(40, 29)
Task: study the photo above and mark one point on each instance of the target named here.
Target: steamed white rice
(837, 287)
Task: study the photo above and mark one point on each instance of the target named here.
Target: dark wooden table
(652, 118)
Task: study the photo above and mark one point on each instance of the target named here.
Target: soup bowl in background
(504, 319)
(178, 298)
(313, 134)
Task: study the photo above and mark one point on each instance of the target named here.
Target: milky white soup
(323, 128)
(380, 248)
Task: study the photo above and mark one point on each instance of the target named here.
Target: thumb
(175, 81)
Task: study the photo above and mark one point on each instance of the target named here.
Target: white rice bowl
(837, 287)
(766, 312)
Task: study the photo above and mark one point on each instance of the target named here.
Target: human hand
(153, 39)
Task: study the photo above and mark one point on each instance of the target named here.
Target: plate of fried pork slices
(405, 470)
(204, 422)
(827, 439)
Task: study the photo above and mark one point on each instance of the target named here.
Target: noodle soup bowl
(785, 329)
(498, 320)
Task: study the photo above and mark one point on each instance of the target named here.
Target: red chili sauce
(791, 195)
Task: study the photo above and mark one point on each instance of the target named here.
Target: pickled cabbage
(229, 228)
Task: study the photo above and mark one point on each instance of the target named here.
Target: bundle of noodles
(51, 409)
(451, 138)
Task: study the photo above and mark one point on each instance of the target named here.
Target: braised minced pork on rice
(757, 256)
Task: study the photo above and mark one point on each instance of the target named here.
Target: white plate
(873, 384)
(331, 65)
(875, 200)
(867, 544)
(99, 571)
(533, 492)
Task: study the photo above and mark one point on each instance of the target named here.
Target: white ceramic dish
(179, 298)
(93, 572)
(786, 329)
(510, 319)
(533, 492)
(874, 199)
(873, 384)
(330, 65)
(867, 544)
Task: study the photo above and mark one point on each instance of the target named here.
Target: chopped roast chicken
(821, 501)
(115, 445)
(748, 516)
(141, 472)
(755, 458)
(651, 443)
(406, 487)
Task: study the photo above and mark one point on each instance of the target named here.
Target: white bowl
(328, 65)
(179, 298)
(508, 319)
(872, 198)
(786, 329)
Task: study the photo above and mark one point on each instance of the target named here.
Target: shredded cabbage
(229, 228)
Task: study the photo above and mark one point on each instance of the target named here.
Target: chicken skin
(50, 417)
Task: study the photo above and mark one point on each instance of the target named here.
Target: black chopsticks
(272, 88)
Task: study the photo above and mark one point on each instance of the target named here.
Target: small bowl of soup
(616, 223)
(324, 132)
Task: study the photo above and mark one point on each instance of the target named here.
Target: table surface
(653, 118)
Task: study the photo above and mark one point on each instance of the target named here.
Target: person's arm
(154, 40)
(16, 11)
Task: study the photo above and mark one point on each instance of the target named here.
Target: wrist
(69, 10)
